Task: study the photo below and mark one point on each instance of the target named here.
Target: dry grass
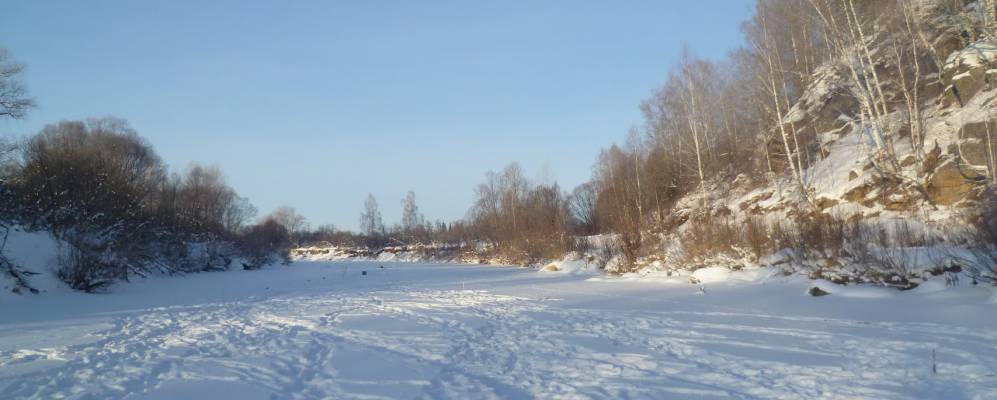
(885, 252)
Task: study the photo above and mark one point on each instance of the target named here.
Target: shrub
(707, 236)
(84, 270)
(982, 260)
(264, 243)
(757, 238)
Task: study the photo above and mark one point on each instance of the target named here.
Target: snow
(32, 250)
(861, 292)
(571, 264)
(405, 330)
(711, 274)
(35, 252)
(975, 54)
(433, 253)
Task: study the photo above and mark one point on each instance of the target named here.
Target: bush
(265, 243)
(201, 253)
(707, 236)
(96, 258)
(982, 261)
(886, 252)
(815, 235)
(757, 238)
(981, 264)
(86, 271)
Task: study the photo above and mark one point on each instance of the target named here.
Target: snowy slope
(36, 253)
(326, 330)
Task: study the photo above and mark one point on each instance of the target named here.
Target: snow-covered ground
(325, 330)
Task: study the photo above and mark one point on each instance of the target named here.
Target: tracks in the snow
(404, 342)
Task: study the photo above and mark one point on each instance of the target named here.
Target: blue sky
(313, 104)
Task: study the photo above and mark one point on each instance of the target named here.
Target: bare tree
(582, 204)
(411, 219)
(485, 211)
(370, 220)
(8, 156)
(238, 212)
(775, 83)
(616, 177)
(289, 218)
(523, 220)
(907, 55)
(99, 171)
(691, 73)
(14, 100)
(844, 31)
(264, 241)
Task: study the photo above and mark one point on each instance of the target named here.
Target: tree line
(101, 187)
(741, 120)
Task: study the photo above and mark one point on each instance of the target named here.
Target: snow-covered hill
(35, 259)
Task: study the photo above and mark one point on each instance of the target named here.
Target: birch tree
(774, 82)
(411, 218)
(370, 219)
(846, 35)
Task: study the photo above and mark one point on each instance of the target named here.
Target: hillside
(848, 141)
(890, 166)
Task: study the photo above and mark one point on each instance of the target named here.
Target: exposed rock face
(908, 161)
(947, 43)
(975, 145)
(857, 194)
(968, 84)
(949, 184)
(968, 71)
(990, 10)
(945, 162)
(824, 203)
(899, 201)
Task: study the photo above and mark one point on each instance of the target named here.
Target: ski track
(412, 342)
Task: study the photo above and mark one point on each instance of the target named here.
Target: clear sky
(313, 104)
